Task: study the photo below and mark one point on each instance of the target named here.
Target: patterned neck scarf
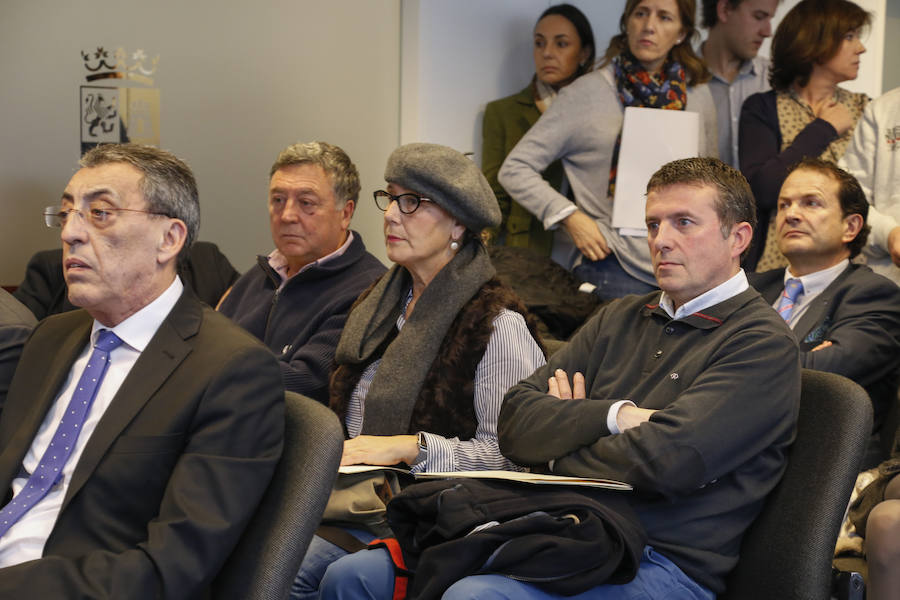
(544, 94)
(637, 87)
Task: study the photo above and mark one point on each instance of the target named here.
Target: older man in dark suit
(845, 317)
(140, 433)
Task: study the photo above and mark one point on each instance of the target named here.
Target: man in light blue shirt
(737, 29)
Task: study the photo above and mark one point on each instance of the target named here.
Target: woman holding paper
(431, 348)
(651, 64)
(563, 51)
(816, 46)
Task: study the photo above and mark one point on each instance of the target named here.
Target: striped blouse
(511, 355)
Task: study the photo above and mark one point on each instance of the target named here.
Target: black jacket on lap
(562, 540)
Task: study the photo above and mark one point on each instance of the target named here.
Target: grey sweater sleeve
(580, 127)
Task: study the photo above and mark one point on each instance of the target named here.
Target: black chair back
(269, 554)
(787, 551)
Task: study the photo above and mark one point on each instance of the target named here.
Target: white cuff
(553, 221)
(613, 414)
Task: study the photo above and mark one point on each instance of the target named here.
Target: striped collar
(730, 288)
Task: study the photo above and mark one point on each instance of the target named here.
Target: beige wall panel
(237, 82)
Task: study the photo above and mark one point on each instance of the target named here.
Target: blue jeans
(320, 554)
(611, 279)
(370, 574)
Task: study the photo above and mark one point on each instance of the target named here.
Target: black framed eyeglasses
(407, 203)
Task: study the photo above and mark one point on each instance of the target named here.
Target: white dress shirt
(25, 540)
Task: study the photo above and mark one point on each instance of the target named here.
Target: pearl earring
(454, 245)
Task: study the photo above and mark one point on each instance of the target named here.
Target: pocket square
(817, 335)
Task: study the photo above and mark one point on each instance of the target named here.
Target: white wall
(870, 68)
(459, 55)
(891, 73)
(238, 82)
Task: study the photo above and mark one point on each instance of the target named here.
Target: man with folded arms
(689, 395)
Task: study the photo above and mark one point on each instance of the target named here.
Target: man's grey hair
(168, 185)
(333, 160)
(734, 200)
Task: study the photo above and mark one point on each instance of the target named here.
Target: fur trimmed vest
(446, 402)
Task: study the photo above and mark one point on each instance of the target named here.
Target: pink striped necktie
(792, 290)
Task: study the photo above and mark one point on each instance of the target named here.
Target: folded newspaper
(534, 478)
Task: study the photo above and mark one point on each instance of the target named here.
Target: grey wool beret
(448, 178)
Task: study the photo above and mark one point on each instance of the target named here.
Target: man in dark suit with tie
(138, 434)
(845, 317)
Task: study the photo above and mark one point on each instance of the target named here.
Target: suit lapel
(769, 284)
(41, 373)
(819, 308)
(166, 350)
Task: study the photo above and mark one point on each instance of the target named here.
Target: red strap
(401, 573)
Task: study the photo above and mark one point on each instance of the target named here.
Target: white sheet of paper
(352, 469)
(535, 478)
(651, 137)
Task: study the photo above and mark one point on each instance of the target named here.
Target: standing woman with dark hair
(816, 46)
(563, 51)
(650, 63)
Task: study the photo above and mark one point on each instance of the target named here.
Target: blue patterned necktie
(50, 468)
(792, 289)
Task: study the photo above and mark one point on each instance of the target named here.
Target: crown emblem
(100, 65)
(892, 136)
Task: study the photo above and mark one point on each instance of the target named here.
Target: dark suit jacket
(43, 290)
(171, 474)
(16, 322)
(860, 314)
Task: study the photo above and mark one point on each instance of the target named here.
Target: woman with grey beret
(429, 351)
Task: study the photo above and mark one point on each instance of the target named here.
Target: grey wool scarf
(406, 360)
